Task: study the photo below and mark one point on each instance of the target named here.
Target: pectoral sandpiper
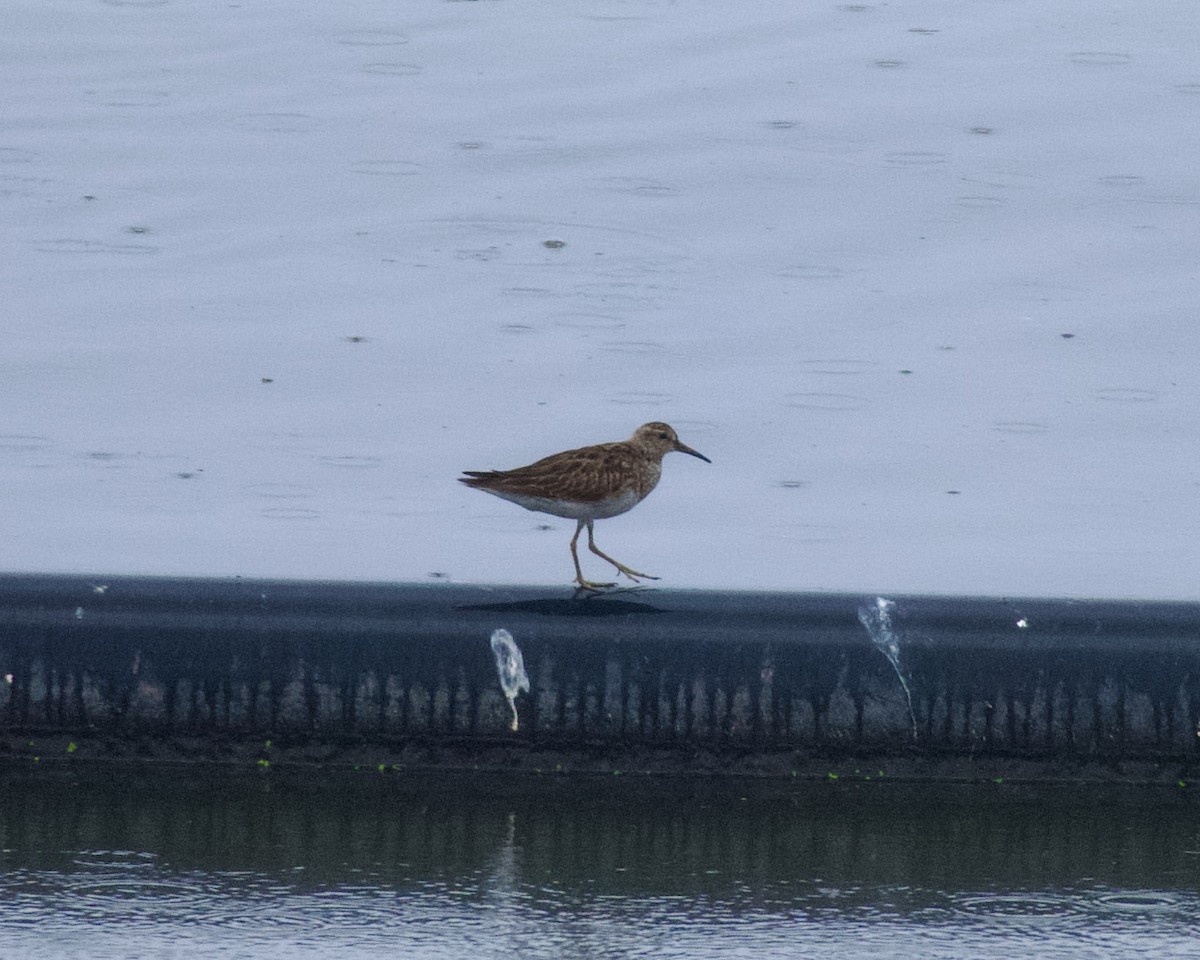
(588, 484)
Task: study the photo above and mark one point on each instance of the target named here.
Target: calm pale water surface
(170, 864)
(919, 278)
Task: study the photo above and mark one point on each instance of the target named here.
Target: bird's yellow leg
(584, 584)
(631, 574)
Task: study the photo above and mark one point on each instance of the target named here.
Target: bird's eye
(663, 436)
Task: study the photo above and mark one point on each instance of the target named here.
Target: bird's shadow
(584, 603)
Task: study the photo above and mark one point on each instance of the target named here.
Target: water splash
(877, 619)
(510, 666)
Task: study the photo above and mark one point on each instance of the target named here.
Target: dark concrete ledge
(406, 676)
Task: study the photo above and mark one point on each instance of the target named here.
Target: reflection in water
(166, 864)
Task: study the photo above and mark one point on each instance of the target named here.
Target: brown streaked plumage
(588, 484)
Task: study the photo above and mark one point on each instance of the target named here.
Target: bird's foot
(590, 585)
(634, 575)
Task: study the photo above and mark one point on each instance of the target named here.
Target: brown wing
(586, 475)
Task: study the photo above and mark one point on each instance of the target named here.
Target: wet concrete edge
(404, 677)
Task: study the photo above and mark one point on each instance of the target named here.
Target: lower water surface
(130, 864)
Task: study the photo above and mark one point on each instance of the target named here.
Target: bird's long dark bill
(684, 448)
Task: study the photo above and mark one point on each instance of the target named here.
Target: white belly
(574, 511)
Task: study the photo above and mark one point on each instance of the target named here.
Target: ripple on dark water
(1146, 902)
(113, 859)
(365, 865)
(1025, 906)
(232, 916)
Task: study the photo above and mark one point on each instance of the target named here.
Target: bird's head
(661, 439)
